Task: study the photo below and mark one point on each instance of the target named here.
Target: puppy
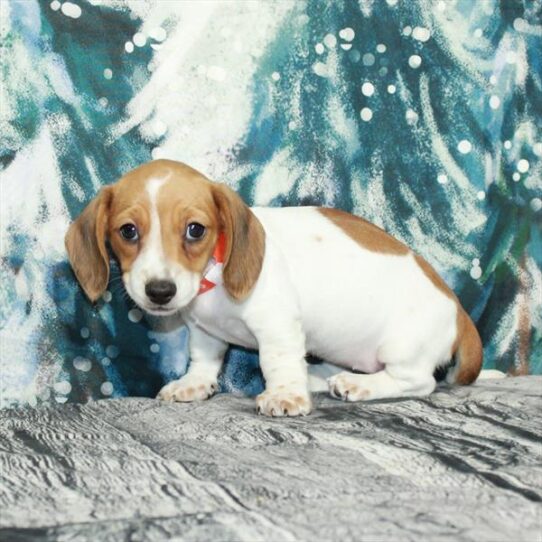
(285, 281)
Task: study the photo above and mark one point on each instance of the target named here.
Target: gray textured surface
(462, 464)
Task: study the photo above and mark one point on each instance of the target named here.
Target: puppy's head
(162, 221)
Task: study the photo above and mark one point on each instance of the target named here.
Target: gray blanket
(462, 464)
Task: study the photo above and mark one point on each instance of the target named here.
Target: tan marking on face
(366, 234)
(184, 197)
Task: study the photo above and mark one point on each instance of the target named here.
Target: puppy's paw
(188, 388)
(348, 387)
(284, 401)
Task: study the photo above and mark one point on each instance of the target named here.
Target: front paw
(188, 388)
(284, 401)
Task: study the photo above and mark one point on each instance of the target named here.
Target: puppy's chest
(215, 314)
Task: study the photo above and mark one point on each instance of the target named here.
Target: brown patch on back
(434, 277)
(467, 345)
(366, 234)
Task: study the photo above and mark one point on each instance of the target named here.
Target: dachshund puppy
(285, 281)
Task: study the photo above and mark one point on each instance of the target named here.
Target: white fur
(153, 264)
(320, 292)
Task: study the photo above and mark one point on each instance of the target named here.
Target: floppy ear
(85, 244)
(245, 242)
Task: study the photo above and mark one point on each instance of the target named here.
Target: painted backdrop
(423, 116)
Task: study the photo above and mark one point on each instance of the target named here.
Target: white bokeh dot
(494, 102)
(108, 73)
(330, 41)
(71, 10)
(106, 388)
(82, 364)
(421, 33)
(55, 5)
(347, 34)
(507, 144)
(381, 48)
(476, 272)
(442, 178)
(106, 361)
(478, 33)
(158, 33)
(407, 30)
(366, 114)
(85, 332)
(112, 351)
(411, 116)
(391, 89)
(367, 89)
(368, 59)
(481, 195)
(275, 76)
(536, 204)
(135, 315)
(107, 296)
(154, 348)
(129, 47)
(415, 61)
(464, 146)
(476, 262)
(523, 166)
(516, 176)
(493, 80)
(537, 149)
(139, 39)
(346, 46)
(63, 386)
(319, 48)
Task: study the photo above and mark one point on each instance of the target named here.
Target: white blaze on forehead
(153, 256)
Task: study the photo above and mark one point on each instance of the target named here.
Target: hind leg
(402, 376)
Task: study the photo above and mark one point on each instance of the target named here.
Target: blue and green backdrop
(424, 116)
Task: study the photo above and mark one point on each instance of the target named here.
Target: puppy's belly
(357, 356)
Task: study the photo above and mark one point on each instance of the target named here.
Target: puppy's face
(162, 221)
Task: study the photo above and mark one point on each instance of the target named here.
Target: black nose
(160, 291)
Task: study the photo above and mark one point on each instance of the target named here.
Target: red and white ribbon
(213, 273)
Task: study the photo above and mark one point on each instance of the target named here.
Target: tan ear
(85, 244)
(245, 242)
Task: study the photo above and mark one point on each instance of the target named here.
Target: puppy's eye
(194, 231)
(129, 232)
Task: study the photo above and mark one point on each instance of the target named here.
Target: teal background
(269, 98)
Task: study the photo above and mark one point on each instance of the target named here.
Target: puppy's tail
(469, 353)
